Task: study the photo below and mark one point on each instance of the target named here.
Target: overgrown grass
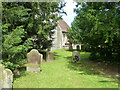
(62, 73)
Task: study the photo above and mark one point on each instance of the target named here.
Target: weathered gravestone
(16, 73)
(76, 56)
(6, 78)
(49, 56)
(34, 59)
(78, 47)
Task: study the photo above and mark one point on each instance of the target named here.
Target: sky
(70, 12)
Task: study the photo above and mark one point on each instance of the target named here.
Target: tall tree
(96, 26)
(27, 25)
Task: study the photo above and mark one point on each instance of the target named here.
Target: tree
(26, 25)
(96, 26)
(43, 20)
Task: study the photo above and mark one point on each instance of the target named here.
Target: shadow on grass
(84, 68)
(80, 66)
(56, 55)
(72, 50)
(104, 81)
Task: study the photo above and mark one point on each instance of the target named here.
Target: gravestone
(49, 56)
(76, 56)
(16, 73)
(34, 58)
(78, 47)
(6, 78)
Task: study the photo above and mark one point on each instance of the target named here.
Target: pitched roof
(64, 26)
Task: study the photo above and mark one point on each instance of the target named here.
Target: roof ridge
(64, 26)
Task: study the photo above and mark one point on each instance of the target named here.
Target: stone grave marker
(77, 47)
(76, 56)
(16, 73)
(6, 78)
(34, 58)
(49, 56)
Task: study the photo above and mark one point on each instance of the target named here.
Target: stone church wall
(59, 38)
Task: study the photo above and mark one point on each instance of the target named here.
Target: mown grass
(62, 73)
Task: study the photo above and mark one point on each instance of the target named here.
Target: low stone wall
(6, 78)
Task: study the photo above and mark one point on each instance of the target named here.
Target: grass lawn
(62, 73)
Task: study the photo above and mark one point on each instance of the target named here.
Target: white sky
(70, 12)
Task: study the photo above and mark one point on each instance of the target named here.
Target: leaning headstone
(76, 56)
(34, 59)
(49, 56)
(6, 78)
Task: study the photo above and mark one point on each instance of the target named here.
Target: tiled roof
(63, 25)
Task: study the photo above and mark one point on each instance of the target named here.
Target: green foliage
(96, 26)
(12, 49)
(27, 25)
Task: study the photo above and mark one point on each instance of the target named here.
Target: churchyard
(64, 73)
(38, 49)
(61, 69)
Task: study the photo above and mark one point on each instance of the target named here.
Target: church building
(60, 37)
